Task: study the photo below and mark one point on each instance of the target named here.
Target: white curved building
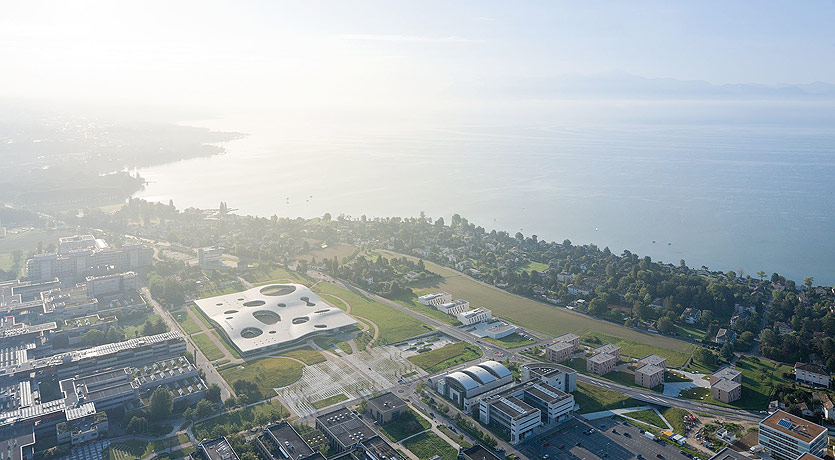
(273, 316)
(464, 386)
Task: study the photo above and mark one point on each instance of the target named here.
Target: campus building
(77, 264)
(215, 449)
(454, 307)
(523, 408)
(558, 376)
(280, 441)
(474, 316)
(386, 407)
(787, 436)
(477, 452)
(343, 429)
(433, 300)
(559, 351)
(465, 386)
(210, 257)
(601, 364)
(273, 316)
(649, 376)
(608, 349)
(111, 284)
(726, 385)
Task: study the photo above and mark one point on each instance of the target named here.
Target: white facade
(455, 307)
(273, 316)
(500, 331)
(474, 316)
(433, 300)
(812, 375)
(111, 284)
(787, 437)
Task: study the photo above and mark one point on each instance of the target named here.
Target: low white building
(812, 374)
(433, 300)
(474, 316)
(454, 307)
(500, 330)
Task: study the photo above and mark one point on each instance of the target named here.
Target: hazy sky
(342, 53)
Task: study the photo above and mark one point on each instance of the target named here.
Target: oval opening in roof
(277, 290)
(254, 303)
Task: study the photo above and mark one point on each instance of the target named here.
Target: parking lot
(624, 443)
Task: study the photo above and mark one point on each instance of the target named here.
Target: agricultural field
(394, 325)
(427, 445)
(207, 347)
(267, 373)
(592, 398)
(545, 318)
(446, 356)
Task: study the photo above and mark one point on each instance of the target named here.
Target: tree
(61, 340)
(92, 338)
(162, 403)
(744, 341)
(808, 281)
(137, 425)
(174, 292)
(114, 334)
(213, 393)
(727, 351)
(665, 326)
(761, 275)
(203, 409)
(704, 356)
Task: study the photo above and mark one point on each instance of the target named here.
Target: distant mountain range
(620, 85)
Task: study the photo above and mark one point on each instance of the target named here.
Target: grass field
(538, 266)
(333, 300)
(675, 416)
(186, 322)
(544, 318)
(394, 325)
(328, 342)
(760, 377)
(212, 291)
(135, 449)
(196, 311)
(205, 344)
(228, 346)
(446, 356)
(322, 403)
(307, 354)
(697, 393)
(592, 398)
(279, 275)
(639, 350)
(407, 424)
(689, 332)
(244, 418)
(267, 373)
(427, 445)
(457, 437)
(648, 416)
(513, 340)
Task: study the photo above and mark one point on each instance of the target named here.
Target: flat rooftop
(380, 449)
(217, 449)
(793, 426)
(548, 369)
(15, 438)
(602, 358)
(650, 369)
(725, 385)
(726, 373)
(272, 315)
(654, 360)
(514, 407)
(346, 427)
(559, 346)
(478, 452)
(292, 445)
(386, 402)
(567, 338)
(729, 454)
(608, 349)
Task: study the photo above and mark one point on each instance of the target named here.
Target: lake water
(728, 196)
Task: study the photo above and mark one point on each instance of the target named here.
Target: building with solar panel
(787, 436)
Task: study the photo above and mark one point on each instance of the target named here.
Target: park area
(407, 424)
(266, 373)
(427, 445)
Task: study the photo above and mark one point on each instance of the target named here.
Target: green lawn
(322, 403)
(541, 317)
(648, 416)
(222, 338)
(278, 275)
(132, 324)
(199, 314)
(538, 266)
(427, 445)
(760, 377)
(405, 425)
(135, 449)
(394, 325)
(697, 393)
(673, 376)
(513, 340)
(639, 350)
(446, 356)
(212, 291)
(333, 300)
(185, 321)
(592, 398)
(267, 373)
(690, 332)
(306, 354)
(205, 344)
(457, 437)
(242, 419)
(328, 342)
(340, 250)
(675, 416)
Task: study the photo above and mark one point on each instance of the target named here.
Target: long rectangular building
(521, 409)
(788, 437)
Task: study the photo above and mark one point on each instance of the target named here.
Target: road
(212, 375)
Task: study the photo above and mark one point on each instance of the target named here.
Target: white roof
(497, 368)
(481, 374)
(465, 380)
(272, 315)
